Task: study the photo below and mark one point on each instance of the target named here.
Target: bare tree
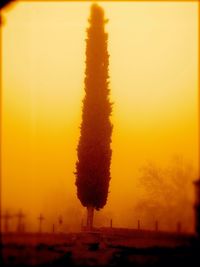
(167, 193)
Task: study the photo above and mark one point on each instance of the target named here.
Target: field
(105, 247)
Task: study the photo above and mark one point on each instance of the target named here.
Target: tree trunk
(90, 216)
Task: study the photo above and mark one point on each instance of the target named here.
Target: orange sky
(153, 68)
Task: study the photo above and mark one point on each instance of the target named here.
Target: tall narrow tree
(94, 150)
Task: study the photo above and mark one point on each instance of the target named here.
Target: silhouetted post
(53, 228)
(20, 217)
(111, 223)
(6, 218)
(138, 224)
(156, 226)
(178, 227)
(60, 221)
(197, 208)
(41, 219)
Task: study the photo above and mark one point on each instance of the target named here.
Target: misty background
(153, 80)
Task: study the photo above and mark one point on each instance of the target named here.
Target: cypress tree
(94, 151)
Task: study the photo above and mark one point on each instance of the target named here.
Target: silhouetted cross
(40, 218)
(20, 216)
(6, 218)
(60, 220)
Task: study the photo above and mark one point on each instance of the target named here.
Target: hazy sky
(153, 51)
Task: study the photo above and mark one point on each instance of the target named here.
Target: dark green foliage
(94, 152)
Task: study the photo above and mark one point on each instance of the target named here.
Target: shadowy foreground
(107, 247)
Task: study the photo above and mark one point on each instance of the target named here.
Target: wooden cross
(41, 219)
(6, 218)
(20, 217)
(60, 220)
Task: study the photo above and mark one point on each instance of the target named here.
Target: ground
(102, 247)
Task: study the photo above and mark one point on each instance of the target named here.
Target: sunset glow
(153, 70)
